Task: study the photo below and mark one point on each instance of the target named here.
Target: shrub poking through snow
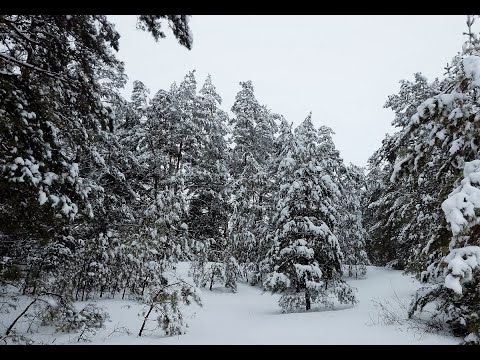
(165, 302)
(232, 273)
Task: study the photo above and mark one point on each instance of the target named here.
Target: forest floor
(253, 317)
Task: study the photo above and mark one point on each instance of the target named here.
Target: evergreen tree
(253, 129)
(457, 275)
(305, 260)
(138, 104)
(253, 135)
(351, 232)
(73, 186)
(247, 213)
(376, 204)
(404, 208)
(451, 262)
(209, 208)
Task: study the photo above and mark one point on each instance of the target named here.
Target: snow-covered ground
(250, 317)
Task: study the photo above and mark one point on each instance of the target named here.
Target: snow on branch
(459, 207)
(461, 263)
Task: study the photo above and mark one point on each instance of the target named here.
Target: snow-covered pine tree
(305, 260)
(441, 139)
(245, 108)
(246, 215)
(138, 104)
(284, 137)
(351, 232)
(51, 110)
(253, 129)
(67, 175)
(52, 72)
(457, 274)
(283, 140)
(158, 237)
(253, 134)
(55, 129)
(376, 205)
(400, 216)
(451, 146)
(208, 202)
(162, 186)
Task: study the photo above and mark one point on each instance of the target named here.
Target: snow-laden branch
(461, 263)
(18, 31)
(33, 67)
(460, 212)
(459, 207)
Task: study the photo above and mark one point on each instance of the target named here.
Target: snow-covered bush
(68, 319)
(165, 301)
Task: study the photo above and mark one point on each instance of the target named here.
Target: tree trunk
(307, 300)
(211, 280)
(144, 284)
(80, 278)
(125, 288)
(26, 281)
(179, 156)
(114, 289)
(145, 319)
(83, 291)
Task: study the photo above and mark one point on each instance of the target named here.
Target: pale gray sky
(340, 67)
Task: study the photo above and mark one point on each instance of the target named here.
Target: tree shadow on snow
(314, 309)
(219, 290)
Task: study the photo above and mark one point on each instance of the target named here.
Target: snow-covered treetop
(209, 91)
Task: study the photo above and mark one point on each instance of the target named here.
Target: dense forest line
(101, 196)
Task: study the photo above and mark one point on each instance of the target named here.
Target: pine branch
(33, 67)
(17, 30)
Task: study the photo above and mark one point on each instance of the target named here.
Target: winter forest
(162, 219)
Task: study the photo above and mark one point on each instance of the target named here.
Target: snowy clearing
(250, 317)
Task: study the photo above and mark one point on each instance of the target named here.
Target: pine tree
(138, 104)
(305, 260)
(253, 136)
(351, 232)
(253, 129)
(283, 143)
(451, 262)
(209, 208)
(400, 216)
(247, 212)
(72, 184)
(376, 204)
(457, 275)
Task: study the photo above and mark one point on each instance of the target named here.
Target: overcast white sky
(340, 67)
